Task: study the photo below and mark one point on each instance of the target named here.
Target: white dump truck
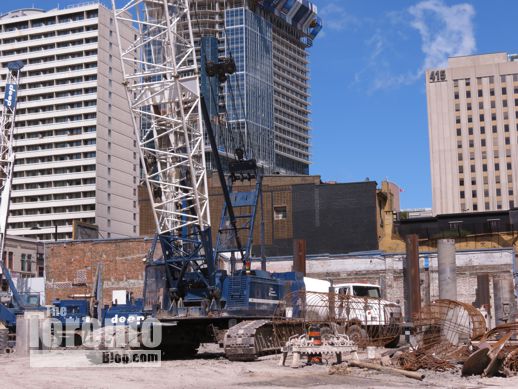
(358, 309)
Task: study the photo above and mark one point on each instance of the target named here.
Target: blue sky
(368, 91)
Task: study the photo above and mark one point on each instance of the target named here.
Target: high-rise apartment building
(473, 130)
(267, 99)
(76, 154)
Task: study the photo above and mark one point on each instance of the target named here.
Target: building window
(462, 195)
(10, 260)
(29, 262)
(504, 91)
(455, 225)
(280, 213)
(24, 262)
(482, 130)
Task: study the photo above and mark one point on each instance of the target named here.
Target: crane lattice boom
(161, 77)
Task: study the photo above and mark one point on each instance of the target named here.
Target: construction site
(245, 271)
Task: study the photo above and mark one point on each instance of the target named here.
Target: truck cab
(359, 290)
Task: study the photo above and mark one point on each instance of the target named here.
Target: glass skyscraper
(267, 100)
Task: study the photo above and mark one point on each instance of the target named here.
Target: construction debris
(510, 364)
(301, 345)
(448, 322)
(417, 359)
(496, 354)
(385, 369)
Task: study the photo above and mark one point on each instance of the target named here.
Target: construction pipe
(411, 281)
(22, 336)
(505, 305)
(299, 256)
(447, 269)
(386, 369)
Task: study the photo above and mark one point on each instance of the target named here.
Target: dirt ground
(210, 370)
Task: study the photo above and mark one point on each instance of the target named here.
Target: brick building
(333, 218)
(70, 267)
(23, 256)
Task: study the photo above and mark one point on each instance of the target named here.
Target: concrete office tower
(76, 155)
(472, 118)
(269, 105)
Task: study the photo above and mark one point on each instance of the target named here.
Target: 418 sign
(437, 75)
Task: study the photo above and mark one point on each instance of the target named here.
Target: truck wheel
(326, 332)
(357, 334)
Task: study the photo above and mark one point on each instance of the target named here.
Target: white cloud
(445, 31)
(335, 17)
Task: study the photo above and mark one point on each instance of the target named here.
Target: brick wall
(70, 267)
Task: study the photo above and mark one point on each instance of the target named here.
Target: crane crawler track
(249, 339)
